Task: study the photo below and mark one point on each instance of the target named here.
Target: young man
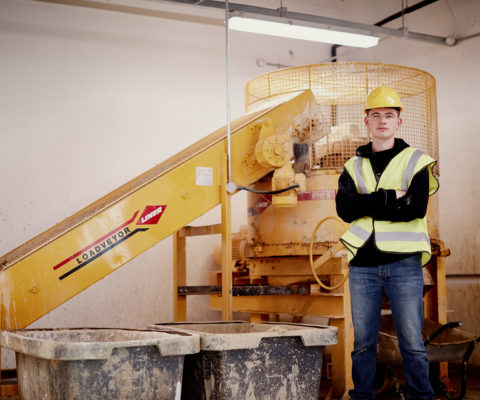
(384, 192)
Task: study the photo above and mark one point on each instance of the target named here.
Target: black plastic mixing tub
(242, 361)
(99, 364)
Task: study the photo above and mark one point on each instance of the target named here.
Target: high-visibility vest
(390, 237)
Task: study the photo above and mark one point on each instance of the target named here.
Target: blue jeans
(402, 282)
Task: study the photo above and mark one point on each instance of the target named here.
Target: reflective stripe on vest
(396, 237)
(401, 237)
(410, 169)
(387, 236)
(407, 174)
(361, 233)
(362, 187)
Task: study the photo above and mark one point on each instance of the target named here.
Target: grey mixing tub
(91, 364)
(245, 361)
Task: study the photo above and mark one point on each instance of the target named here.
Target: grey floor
(473, 385)
(472, 393)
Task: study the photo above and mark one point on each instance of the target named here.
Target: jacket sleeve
(383, 204)
(352, 205)
(409, 207)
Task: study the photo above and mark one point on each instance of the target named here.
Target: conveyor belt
(61, 262)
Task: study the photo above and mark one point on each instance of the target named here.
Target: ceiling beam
(140, 8)
(281, 14)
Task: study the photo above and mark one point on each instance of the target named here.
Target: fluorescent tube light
(301, 32)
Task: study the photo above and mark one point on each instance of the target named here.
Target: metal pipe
(227, 67)
(415, 7)
(473, 35)
(405, 11)
(281, 15)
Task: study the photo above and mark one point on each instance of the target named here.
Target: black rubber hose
(268, 192)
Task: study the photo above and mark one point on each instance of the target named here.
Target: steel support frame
(180, 255)
(435, 303)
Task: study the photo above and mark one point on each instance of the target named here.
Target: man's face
(383, 123)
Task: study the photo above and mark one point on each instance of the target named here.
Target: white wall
(90, 99)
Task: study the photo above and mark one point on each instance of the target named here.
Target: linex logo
(150, 216)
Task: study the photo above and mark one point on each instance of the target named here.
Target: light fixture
(289, 30)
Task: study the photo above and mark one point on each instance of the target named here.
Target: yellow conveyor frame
(48, 270)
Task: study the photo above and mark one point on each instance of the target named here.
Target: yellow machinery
(310, 115)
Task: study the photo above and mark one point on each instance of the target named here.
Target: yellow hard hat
(383, 97)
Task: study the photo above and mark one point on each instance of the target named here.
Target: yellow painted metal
(272, 150)
(201, 230)
(284, 177)
(341, 353)
(9, 391)
(53, 267)
(180, 264)
(259, 318)
(275, 280)
(435, 300)
(432, 217)
(227, 314)
(283, 271)
(269, 225)
(442, 307)
(285, 249)
(327, 305)
(441, 289)
(288, 266)
(179, 276)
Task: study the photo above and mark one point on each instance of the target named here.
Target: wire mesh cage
(340, 90)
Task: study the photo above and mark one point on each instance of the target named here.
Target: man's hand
(400, 193)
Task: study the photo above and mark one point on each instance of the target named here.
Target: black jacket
(381, 204)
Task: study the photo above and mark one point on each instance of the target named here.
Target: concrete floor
(473, 386)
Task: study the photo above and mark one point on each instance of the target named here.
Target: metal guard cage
(340, 90)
